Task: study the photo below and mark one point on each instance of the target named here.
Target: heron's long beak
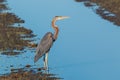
(65, 17)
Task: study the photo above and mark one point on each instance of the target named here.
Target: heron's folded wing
(44, 46)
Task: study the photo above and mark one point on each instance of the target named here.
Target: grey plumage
(47, 41)
(44, 46)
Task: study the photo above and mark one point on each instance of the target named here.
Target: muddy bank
(14, 37)
(28, 73)
(109, 10)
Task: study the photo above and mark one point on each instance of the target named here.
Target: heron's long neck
(55, 28)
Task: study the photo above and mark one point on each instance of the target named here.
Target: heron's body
(44, 45)
(47, 41)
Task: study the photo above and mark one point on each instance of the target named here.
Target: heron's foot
(45, 68)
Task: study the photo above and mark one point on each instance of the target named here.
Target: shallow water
(87, 47)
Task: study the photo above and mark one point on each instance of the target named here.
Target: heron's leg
(46, 61)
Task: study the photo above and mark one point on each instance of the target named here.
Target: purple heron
(47, 41)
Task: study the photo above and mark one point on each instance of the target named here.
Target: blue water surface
(87, 48)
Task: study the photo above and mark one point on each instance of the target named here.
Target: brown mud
(107, 9)
(28, 73)
(14, 37)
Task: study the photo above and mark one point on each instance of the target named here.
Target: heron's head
(61, 17)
